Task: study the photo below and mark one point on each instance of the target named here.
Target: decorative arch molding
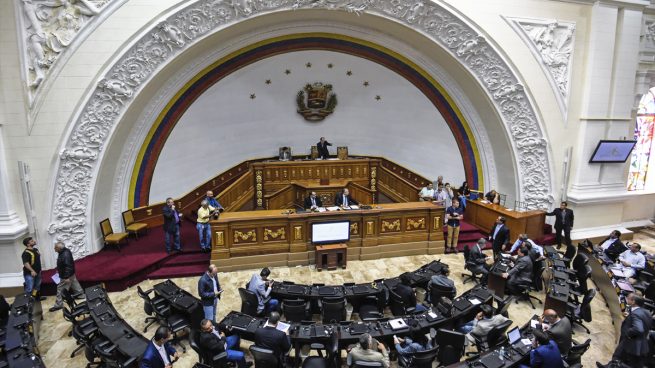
(91, 128)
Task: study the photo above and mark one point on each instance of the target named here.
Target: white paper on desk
(397, 324)
(284, 327)
(321, 209)
(354, 207)
(55, 278)
(526, 342)
(432, 314)
(475, 301)
(534, 323)
(332, 208)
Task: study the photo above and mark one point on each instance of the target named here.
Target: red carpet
(137, 261)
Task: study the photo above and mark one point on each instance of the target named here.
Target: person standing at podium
(322, 147)
(313, 202)
(344, 199)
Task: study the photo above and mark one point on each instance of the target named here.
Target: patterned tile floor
(56, 346)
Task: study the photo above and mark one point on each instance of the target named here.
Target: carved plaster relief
(47, 28)
(551, 42)
(82, 151)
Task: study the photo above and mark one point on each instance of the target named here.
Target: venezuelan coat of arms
(316, 101)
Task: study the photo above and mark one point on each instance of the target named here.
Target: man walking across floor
(66, 270)
(454, 214)
(563, 223)
(32, 268)
(172, 221)
(210, 291)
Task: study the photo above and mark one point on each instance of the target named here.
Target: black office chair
(366, 364)
(315, 362)
(578, 314)
(84, 330)
(264, 358)
(156, 309)
(328, 353)
(333, 310)
(451, 346)
(423, 359)
(502, 305)
(528, 285)
(398, 306)
(494, 338)
(249, 302)
(580, 287)
(468, 265)
(437, 291)
(576, 352)
(568, 255)
(212, 361)
(644, 279)
(372, 307)
(296, 310)
(74, 306)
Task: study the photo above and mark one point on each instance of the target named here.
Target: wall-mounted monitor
(612, 151)
(330, 232)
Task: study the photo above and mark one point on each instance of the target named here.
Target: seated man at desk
(269, 337)
(478, 260)
(406, 293)
(545, 353)
(483, 322)
(493, 197)
(427, 193)
(559, 329)
(212, 343)
(344, 199)
(261, 286)
(631, 261)
(440, 195)
(612, 246)
(368, 350)
(416, 342)
(159, 353)
(313, 202)
(520, 273)
(442, 279)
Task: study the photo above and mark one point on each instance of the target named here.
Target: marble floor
(55, 344)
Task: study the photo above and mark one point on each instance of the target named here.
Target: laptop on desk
(241, 322)
(358, 328)
(514, 337)
(360, 289)
(296, 289)
(492, 360)
(461, 304)
(326, 290)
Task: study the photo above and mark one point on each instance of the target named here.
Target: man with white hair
(205, 213)
(66, 270)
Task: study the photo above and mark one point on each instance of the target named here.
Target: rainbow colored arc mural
(156, 139)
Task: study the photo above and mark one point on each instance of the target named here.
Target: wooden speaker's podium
(331, 256)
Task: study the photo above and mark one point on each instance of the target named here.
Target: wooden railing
(361, 194)
(283, 198)
(396, 187)
(238, 193)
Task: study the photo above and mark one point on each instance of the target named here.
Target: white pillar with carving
(12, 228)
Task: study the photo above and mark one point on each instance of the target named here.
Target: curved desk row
(112, 326)
(21, 334)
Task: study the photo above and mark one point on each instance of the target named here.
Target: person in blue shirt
(406, 347)
(212, 202)
(545, 353)
(454, 214)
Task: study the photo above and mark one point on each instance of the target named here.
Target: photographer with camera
(205, 212)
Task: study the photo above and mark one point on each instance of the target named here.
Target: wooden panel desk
(389, 229)
(331, 256)
(519, 222)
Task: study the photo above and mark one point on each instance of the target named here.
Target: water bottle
(501, 353)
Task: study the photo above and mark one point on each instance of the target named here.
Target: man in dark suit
(344, 199)
(633, 343)
(545, 353)
(172, 221)
(499, 236)
(612, 246)
(269, 337)
(313, 201)
(406, 293)
(478, 260)
(563, 223)
(521, 273)
(209, 290)
(322, 147)
(212, 343)
(559, 329)
(159, 353)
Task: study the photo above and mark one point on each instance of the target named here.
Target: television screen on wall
(612, 151)
(330, 232)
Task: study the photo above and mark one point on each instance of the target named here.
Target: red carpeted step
(187, 259)
(548, 239)
(468, 237)
(177, 271)
(463, 227)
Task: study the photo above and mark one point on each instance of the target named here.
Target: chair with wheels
(264, 357)
(333, 310)
(155, 308)
(574, 358)
(451, 346)
(249, 302)
(296, 310)
(470, 266)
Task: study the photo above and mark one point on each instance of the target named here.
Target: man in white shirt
(632, 260)
(441, 196)
(483, 322)
(427, 193)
